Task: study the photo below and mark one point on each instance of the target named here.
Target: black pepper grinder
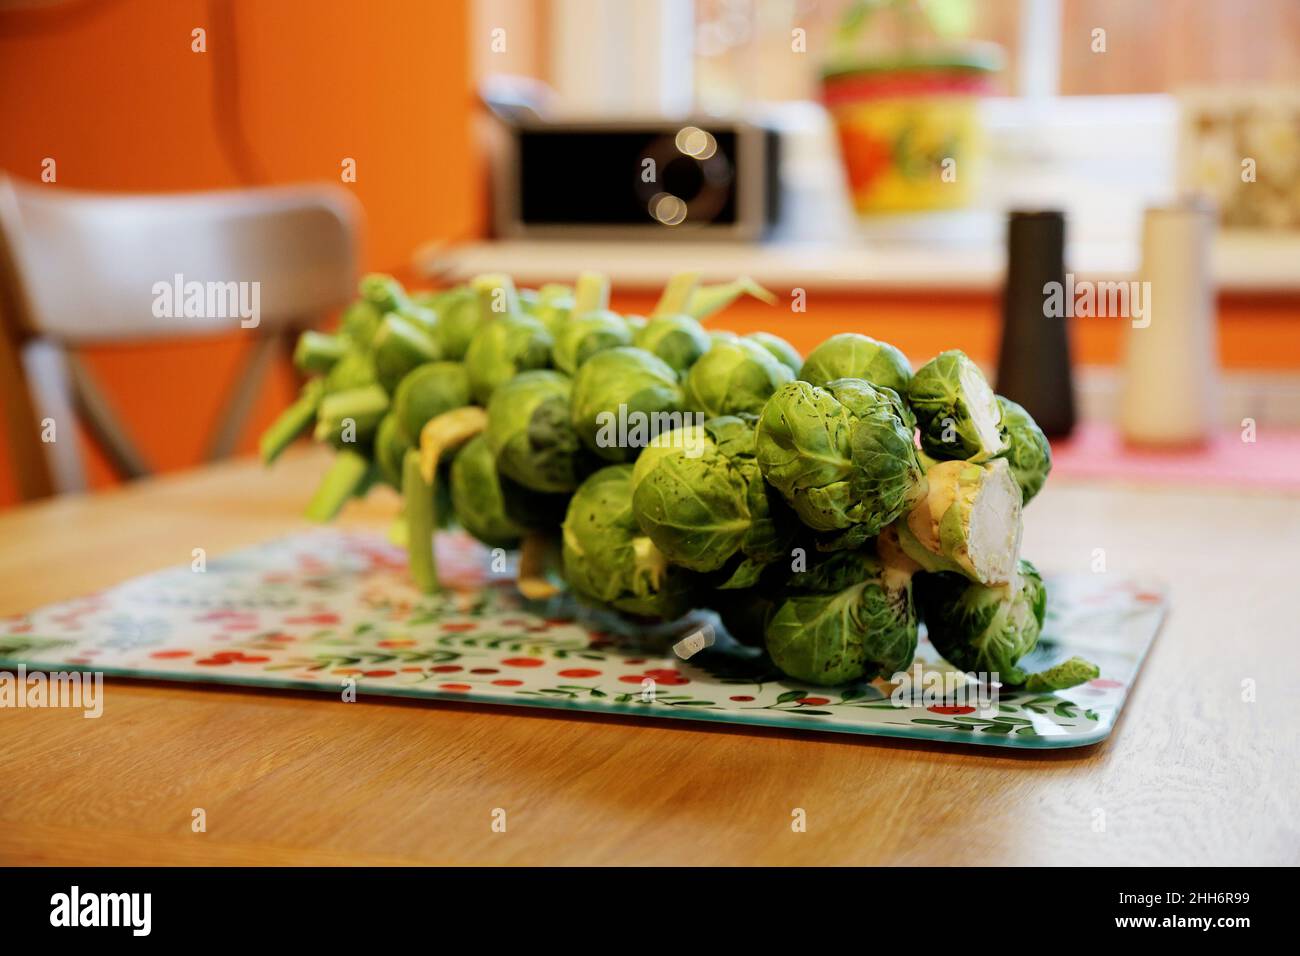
(1034, 357)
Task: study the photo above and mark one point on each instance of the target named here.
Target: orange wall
(1255, 331)
(113, 92)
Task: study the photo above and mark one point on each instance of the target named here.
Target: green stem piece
(708, 299)
(418, 496)
(316, 352)
(590, 293)
(677, 293)
(496, 295)
(293, 421)
(364, 407)
(347, 473)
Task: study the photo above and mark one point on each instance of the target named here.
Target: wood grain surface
(1194, 774)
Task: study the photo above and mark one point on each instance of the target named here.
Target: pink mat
(1098, 451)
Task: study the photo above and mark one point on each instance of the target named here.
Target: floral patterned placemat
(336, 613)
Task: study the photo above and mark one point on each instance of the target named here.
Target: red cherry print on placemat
(814, 701)
(446, 668)
(507, 682)
(580, 672)
(522, 662)
(168, 655)
(741, 697)
(454, 686)
(379, 673)
(951, 711)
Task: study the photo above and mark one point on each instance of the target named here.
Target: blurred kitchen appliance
(1034, 357)
(702, 178)
(1170, 360)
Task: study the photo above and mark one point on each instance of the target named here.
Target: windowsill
(1242, 263)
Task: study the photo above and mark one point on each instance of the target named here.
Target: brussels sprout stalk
(346, 476)
(537, 552)
(293, 421)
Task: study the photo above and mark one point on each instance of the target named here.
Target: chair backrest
(81, 268)
(103, 268)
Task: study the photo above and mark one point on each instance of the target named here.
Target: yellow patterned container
(909, 129)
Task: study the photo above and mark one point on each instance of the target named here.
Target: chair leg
(93, 407)
(230, 426)
(20, 403)
(52, 397)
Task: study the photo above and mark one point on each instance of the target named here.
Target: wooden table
(1194, 774)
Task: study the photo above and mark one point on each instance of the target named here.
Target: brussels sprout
(360, 322)
(733, 378)
(391, 446)
(477, 499)
(382, 291)
(399, 346)
(585, 335)
(968, 522)
(781, 350)
(980, 628)
(429, 390)
(841, 455)
(700, 496)
(957, 412)
(851, 355)
(531, 432)
(355, 369)
(503, 347)
(847, 620)
(608, 559)
(554, 309)
(458, 320)
(677, 339)
(1030, 455)
(624, 387)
